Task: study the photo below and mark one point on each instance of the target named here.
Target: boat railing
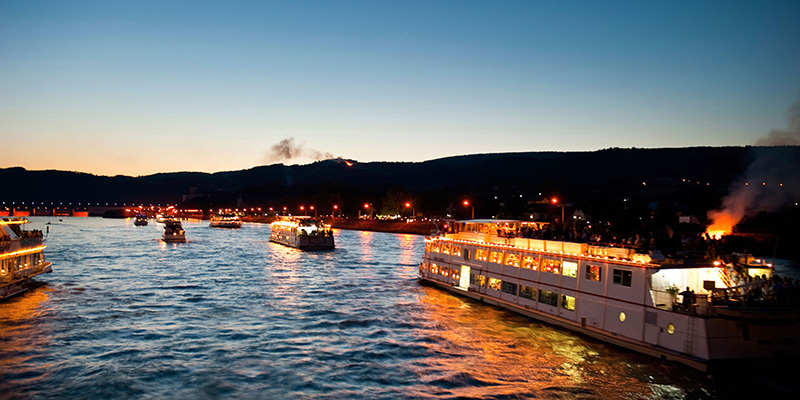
(663, 299)
(553, 246)
(699, 305)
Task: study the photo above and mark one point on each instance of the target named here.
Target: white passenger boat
(613, 294)
(229, 220)
(302, 232)
(173, 231)
(21, 256)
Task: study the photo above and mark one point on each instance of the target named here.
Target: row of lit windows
(444, 248)
(545, 296)
(18, 263)
(553, 266)
(445, 271)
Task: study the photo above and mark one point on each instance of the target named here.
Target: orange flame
(722, 224)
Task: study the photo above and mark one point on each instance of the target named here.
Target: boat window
(594, 272)
(527, 292)
(548, 297)
(475, 279)
(466, 254)
(551, 266)
(510, 288)
(622, 316)
(445, 248)
(622, 277)
(570, 269)
(449, 272)
(496, 257)
(435, 247)
(568, 302)
(427, 247)
(670, 329)
(455, 250)
(481, 254)
(494, 283)
(512, 260)
(434, 269)
(530, 262)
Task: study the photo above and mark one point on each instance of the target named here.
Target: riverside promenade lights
(467, 204)
(554, 200)
(413, 211)
(370, 208)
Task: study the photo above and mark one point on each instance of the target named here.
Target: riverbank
(415, 228)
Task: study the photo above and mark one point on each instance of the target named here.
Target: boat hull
(19, 283)
(640, 347)
(225, 224)
(305, 242)
(174, 238)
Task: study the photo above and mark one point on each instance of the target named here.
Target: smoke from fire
(287, 149)
(771, 180)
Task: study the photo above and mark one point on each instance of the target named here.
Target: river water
(230, 315)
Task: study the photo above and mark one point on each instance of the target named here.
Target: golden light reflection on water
(486, 351)
(20, 337)
(407, 253)
(366, 237)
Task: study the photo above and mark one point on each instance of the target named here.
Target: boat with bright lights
(173, 231)
(140, 220)
(616, 294)
(21, 256)
(227, 220)
(304, 233)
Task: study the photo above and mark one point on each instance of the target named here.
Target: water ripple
(230, 315)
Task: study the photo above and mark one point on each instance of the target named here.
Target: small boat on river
(304, 233)
(140, 220)
(173, 231)
(21, 256)
(229, 220)
(617, 294)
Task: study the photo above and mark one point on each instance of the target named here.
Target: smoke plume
(771, 180)
(287, 149)
(787, 137)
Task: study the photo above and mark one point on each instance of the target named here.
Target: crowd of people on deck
(758, 290)
(667, 242)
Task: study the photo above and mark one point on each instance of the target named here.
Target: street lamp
(413, 211)
(467, 204)
(333, 213)
(303, 210)
(555, 201)
(315, 211)
(368, 207)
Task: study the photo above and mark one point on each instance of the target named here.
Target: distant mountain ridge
(577, 173)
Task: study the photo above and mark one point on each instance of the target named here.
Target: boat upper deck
(14, 241)
(510, 234)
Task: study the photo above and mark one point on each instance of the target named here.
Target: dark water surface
(230, 315)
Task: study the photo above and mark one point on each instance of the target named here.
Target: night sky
(142, 87)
